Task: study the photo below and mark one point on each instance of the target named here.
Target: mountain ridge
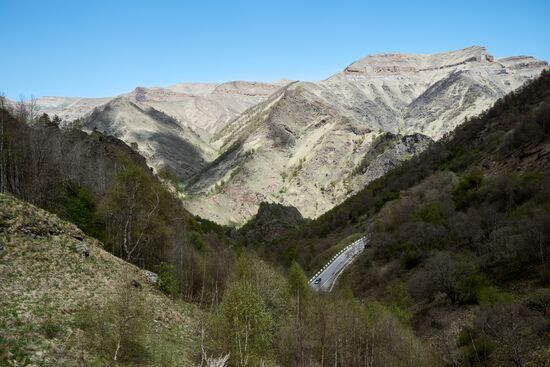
(304, 148)
(303, 143)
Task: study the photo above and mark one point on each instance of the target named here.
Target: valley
(394, 214)
(310, 145)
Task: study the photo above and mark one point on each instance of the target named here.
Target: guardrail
(362, 240)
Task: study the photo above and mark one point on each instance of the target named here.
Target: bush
(476, 286)
(167, 280)
(466, 187)
(539, 300)
(388, 196)
(490, 295)
(430, 213)
(476, 349)
(117, 330)
(51, 328)
(78, 207)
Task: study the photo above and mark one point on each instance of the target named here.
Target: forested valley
(456, 271)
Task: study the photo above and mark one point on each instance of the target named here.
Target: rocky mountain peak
(398, 63)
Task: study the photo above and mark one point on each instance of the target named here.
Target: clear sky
(106, 47)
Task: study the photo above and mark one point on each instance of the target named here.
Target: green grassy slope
(59, 308)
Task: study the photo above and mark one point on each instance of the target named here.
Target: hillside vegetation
(459, 236)
(63, 308)
(105, 187)
(456, 272)
(65, 301)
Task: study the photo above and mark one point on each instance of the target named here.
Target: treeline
(266, 318)
(106, 188)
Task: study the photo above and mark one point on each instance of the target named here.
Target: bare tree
(21, 112)
(3, 175)
(33, 109)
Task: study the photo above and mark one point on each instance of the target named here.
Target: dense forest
(456, 271)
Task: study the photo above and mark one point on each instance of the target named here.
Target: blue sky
(106, 47)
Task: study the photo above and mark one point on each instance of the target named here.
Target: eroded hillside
(312, 145)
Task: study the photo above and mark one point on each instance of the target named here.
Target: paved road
(332, 270)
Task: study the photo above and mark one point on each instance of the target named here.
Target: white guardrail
(361, 240)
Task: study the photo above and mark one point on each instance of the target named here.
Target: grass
(46, 286)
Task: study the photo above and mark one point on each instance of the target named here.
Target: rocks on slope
(271, 222)
(311, 145)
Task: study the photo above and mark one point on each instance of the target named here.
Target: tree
(3, 174)
(131, 210)
(21, 111)
(447, 273)
(32, 108)
(242, 326)
(297, 282)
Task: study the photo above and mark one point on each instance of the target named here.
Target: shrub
(78, 207)
(539, 300)
(476, 286)
(167, 280)
(490, 295)
(388, 196)
(51, 328)
(430, 213)
(464, 190)
(117, 330)
(476, 349)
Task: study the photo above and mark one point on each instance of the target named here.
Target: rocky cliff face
(270, 223)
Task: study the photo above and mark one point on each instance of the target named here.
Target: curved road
(325, 278)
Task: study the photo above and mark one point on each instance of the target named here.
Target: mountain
(303, 144)
(458, 237)
(69, 108)
(312, 145)
(172, 127)
(157, 136)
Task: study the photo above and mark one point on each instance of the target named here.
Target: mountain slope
(311, 145)
(172, 127)
(54, 299)
(69, 108)
(159, 138)
(459, 237)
